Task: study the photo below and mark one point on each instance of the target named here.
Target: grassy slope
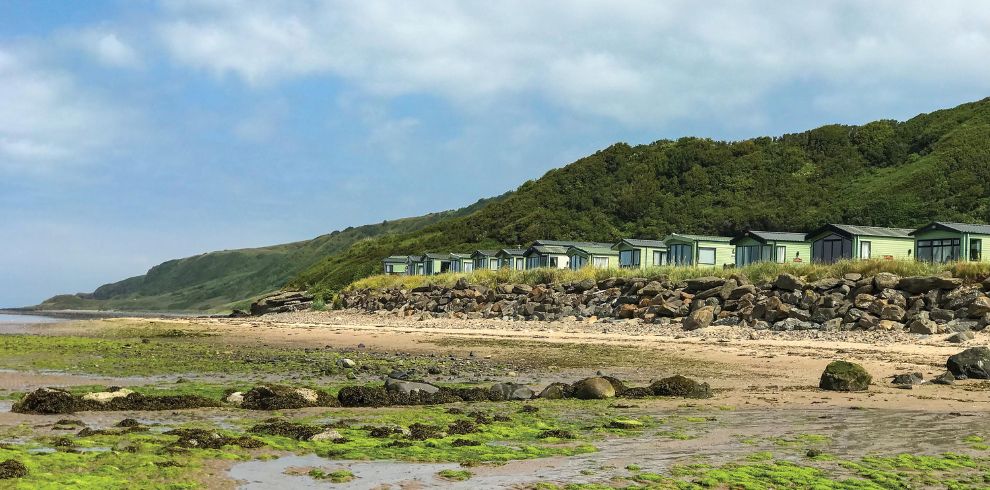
(223, 280)
(884, 173)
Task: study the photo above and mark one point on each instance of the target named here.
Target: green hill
(220, 281)
(885, 173)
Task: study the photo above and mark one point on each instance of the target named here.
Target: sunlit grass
(764, 271)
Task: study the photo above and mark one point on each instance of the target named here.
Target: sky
(132, 132)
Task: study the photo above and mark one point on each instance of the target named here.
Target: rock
(235, 398)
(938, 315)
(346, 363)
(923, 284)
(106, 396)
(393, 385)
(12, 468)
(979, 307)
(651, 289)
(703, 283)
(924, 326)
(521, 289)
(700, 318)
(908, 379)
(555, 391)
(327, 435)
(945, 378)
(892, 312)
(890, 325)
(594, 388)
(278, 397)
(960, 337)
(46, 401)
(852, 276)
(970, 363)
(681, 386)
(741, 291)
(885, 280)
(281, 302)
(844, 376)
(788, 282)
(512, 391)
(309, 395)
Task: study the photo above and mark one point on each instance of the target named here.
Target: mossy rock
(845, 376)
(595, 388)
(681, 386)
(12, 468)
(47, 401)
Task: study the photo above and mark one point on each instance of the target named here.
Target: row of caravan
(935, 242)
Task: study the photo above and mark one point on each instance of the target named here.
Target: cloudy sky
(134, 132)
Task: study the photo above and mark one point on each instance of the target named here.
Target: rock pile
(922, 305)
(282, 302)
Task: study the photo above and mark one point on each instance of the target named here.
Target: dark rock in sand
(908, 379)
(970, 363)
(945, 378)
(845, 376)
(681, 386)
(393, 385)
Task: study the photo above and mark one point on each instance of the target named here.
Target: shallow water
(19, 324)
(732, 436)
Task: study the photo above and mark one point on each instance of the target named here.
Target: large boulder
(512, 391)
(970, 363)
(556, 391)
(393, 385)
(698, 284)
(281, 302)
(788, 282)
(681, 386)
(885, 280)
(46, 401)
(594, 388)
(700, 318)
(845, 376)
(106, 396)
(923, 284)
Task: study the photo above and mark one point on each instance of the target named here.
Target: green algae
(455, 475)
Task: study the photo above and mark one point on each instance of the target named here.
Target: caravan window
(706, 256)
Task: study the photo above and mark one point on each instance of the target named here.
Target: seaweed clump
(208, 439)
(12, 468)
(285, 428)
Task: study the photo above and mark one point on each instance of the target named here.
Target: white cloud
(109, 48)
(637, 62)
(47, 119)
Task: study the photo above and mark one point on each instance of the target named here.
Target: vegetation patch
(455, 475)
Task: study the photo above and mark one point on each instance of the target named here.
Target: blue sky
(135, 132)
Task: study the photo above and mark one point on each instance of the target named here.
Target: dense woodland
(885, 173)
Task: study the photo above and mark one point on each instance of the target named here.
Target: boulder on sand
(681, 386)
(700, 318)
(106, 396)
(594, 388)
(845, 376)
(970, 363)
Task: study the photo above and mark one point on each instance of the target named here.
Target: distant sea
(16, 323)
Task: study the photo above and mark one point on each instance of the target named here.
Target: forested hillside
(885, 173)
(231, 278)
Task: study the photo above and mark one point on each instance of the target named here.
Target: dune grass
(759, 272)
